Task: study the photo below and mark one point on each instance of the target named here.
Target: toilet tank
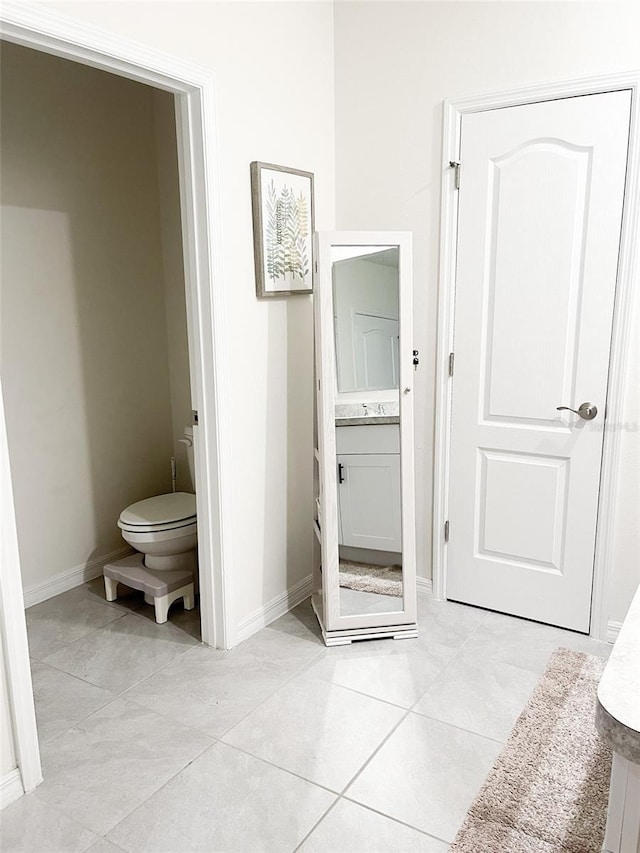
(188, 444)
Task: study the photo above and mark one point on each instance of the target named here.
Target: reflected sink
(352, 414)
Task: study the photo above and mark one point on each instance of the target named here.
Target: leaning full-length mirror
(363, 366)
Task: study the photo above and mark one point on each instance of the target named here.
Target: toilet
(163, 530)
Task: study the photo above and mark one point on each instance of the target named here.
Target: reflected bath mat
(383, 580)
(549, 788)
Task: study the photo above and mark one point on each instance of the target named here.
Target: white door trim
(628, 268)
(194, 90)
(14, 634)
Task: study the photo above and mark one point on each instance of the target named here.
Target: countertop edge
(368, 420)
(620, 738)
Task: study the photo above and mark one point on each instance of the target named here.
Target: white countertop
(619, 689)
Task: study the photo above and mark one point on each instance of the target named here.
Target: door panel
(375, 341)
(369, 499)
(526, 371)
(540, 208)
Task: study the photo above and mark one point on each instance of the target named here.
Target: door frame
(196, 132)
(628, 269)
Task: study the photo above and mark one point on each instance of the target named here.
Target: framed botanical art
(282, 229)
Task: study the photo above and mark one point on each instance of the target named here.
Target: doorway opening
(96, 373)
(192, 89)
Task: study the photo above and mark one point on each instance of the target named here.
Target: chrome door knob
(587, 411)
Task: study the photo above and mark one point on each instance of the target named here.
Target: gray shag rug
(549, 788)
(383, 580)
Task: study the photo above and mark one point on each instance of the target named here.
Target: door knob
(587, 411)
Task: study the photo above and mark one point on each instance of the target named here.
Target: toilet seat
(162, 512)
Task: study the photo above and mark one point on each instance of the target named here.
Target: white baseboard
(10, 788)
(613, 629)
(275, 608)
(70, 578)
(425, 585)
(286, 601)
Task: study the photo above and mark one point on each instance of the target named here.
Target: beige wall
(395, 64)
(275, 102)
(173, 277)
(84, 340)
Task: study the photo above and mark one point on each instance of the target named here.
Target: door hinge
(451, 360)
(446, 531)
(456, 178)
(194, 417)
(315, 266)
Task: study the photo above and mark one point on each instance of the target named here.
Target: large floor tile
(482, 695)
(123, 653)
(292, 641)
(399, 672)
(350, 828)
(188, 621)
(527, 644)
(62, 700)
(225, 801)
(446, 622)
(317, 730)
(62, 620)
(31, 826)
(103, 768)
(128, 599)
(209, 689)
(426, 775)
(104, 846)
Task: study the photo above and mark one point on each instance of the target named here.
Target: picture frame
(283, 226)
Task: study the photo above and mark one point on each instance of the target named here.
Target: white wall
(275, 102)
(626, 554)
(84, 342)
(395, 64)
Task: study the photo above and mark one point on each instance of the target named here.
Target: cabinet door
(369, 500)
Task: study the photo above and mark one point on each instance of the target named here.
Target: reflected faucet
(373, 408)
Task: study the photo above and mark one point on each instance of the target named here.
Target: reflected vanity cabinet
(364, 582)
(369, 487)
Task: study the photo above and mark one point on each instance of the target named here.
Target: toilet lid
(162, 509)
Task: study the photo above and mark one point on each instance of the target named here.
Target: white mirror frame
(339, 629)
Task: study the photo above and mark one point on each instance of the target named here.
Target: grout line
(400, 721)
(116, 693)
(382, 743)
(153, 793)
(77, 640)
(459, 728)
(353, 690)
(281, 768)
(394, 819)
(317, 824)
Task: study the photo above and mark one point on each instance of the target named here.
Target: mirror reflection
(366, 337)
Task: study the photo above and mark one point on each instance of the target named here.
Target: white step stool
(164, 587)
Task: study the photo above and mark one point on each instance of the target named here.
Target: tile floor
(153, 742)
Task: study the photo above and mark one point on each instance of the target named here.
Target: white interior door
(540, 209)
(375, 344)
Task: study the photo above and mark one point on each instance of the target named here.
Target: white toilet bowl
(163, 528)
